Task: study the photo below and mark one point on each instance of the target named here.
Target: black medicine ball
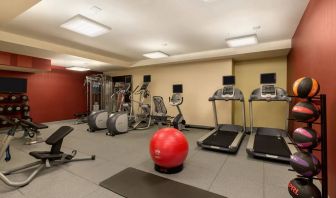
(303, 188)
(306, 87)
(305, 111)
(305, 164)
(305, 137)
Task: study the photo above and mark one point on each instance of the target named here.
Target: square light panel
(154, 55)
(85, 26)
(242, 41)
(82, 69)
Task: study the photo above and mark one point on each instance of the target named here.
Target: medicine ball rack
(322, 100)
(19, 100)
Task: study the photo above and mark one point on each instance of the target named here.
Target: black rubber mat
(133, 183)
(271, 145)
(220, 139)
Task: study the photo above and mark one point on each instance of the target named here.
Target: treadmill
(225, 137)
(265, 142)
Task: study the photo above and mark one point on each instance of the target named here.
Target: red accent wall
(314, 54)
(54, 95)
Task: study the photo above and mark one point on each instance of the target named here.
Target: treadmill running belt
(271, 145)
(220, 139)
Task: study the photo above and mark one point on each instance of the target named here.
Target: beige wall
(200, 81)
(248, 77)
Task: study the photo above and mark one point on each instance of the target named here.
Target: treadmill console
(267, 82)
(228, 89)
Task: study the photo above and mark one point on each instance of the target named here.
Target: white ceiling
(172, 26)
(57, 59)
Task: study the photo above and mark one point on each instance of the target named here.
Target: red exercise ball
(168, 149)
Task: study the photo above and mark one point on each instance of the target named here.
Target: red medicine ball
(168, 148)
(305, 137)
(306, 87)
(305, 111)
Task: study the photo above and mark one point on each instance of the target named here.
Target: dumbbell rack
(23, 114)
(322, 99)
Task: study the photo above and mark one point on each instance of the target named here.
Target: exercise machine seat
(55, 140)
(44, 155)
(33, 125)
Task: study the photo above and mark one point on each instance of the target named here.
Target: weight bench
(31, 130)
(46, 158)
(81, 118)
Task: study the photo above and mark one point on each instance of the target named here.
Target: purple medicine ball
(305, 164)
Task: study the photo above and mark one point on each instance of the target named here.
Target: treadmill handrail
(238, 96)
(256, 96)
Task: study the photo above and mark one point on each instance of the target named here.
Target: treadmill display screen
(178, 88)
(229, 80)
(269, 78)
(147, 78)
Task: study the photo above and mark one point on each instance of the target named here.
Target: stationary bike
(176, 100)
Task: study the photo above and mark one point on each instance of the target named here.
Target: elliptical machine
(143, 117)
(119, 122)
(176, 100)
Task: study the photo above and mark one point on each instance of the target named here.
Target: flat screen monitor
(147, 78)
(178, 88)
(229, 80)
(268, 78)
(13, 85)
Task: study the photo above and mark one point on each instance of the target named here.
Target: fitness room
(167, 98)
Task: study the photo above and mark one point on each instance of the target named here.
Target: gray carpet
(228, 175)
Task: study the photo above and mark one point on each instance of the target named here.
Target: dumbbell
(9, 108)
(28, 118)
(17, 108)
(25, 107)
(2, 109)
(2, 98)
(3, 122)
(12, 98)
(24, 98)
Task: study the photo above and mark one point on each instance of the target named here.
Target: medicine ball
(168, 149)
(303, 188)
(305, 137)
(306, 87)
(305, 164)
(305, 111)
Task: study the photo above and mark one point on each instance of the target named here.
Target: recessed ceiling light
(85, 26)
(78, 69)
(242, 41)
(154, 55)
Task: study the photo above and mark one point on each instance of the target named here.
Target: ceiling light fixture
(81, 69)
(156, 54)
(85, 26)
(242, 41)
